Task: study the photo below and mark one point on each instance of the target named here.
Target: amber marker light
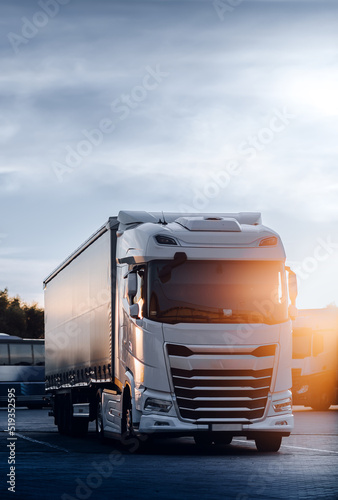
(268, 242)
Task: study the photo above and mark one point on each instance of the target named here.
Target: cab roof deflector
(127, 218)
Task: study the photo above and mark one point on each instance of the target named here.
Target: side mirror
(134, 311)
(132, 286)
(293, 288)
(293, 312)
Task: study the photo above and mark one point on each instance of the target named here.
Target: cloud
(225, 81)
(24, 277)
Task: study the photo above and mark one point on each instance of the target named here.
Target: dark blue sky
(110, 105)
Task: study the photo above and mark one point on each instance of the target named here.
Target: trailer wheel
(61, 427)
(67, 424)
(268, 442)
(75, 426)
(61, 415)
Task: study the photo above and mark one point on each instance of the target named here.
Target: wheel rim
(99, 419)
(129, 421)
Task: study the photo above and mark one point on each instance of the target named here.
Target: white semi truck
(173, 324)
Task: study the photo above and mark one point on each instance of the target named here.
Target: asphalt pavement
(49, 466)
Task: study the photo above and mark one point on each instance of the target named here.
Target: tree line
(20, 319)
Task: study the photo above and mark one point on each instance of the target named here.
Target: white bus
(22, 371)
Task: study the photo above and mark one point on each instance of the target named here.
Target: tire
(222, 439)
(203, 439)
(322, 401)
(67, 424)
(269, 442)
(78, 426)
(127, 430)
(129, 439)
(61, 413)
(99, 421)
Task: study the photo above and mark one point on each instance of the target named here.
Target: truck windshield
(217, 292)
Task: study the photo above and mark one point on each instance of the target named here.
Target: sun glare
(316, 91)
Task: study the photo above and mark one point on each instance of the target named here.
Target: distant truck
(315, 358)
(171, 324)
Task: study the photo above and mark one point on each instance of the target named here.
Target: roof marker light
(268, 242)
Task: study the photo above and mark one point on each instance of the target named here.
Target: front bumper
(159, 424)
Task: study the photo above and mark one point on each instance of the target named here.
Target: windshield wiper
(185, 319)
(180, 316)
(216, 316)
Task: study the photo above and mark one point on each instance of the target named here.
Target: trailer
(169, 324)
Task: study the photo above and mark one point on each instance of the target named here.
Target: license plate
(226, 427)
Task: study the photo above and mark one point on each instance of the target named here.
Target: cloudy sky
(167, 105)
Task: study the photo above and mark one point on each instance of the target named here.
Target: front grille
(219, 383)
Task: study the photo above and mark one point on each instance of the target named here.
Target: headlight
(282, 405)
(159, 405)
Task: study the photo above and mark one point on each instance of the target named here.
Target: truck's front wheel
(203, 439)
(99, 421)
(222, 439)
(268, 442)
(127, 417)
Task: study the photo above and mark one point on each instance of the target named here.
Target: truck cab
(204, 333)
